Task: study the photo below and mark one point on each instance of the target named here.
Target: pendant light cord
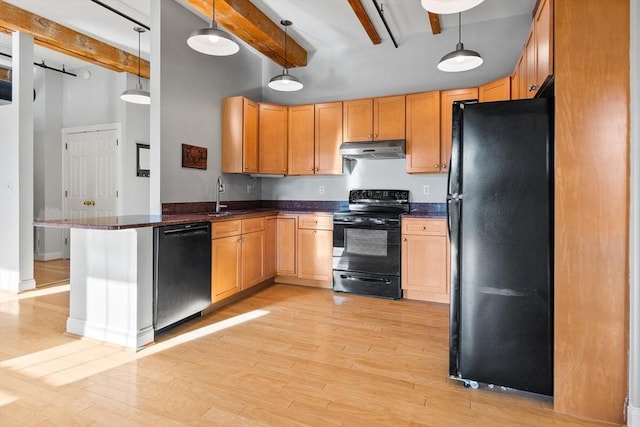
(459, 26)
(139, 81)
(286, 64)
(213, 14)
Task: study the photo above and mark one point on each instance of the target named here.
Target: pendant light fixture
(460, 59)
(213, 41)
(137, 95)
(285, 82)
(449, 6)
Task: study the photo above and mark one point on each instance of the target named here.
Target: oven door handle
(364, 279)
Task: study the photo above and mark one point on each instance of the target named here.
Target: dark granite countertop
(184, 213)
(141, 221)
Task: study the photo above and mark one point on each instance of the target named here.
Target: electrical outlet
(249, 187)
(321, 189)
(425, 190)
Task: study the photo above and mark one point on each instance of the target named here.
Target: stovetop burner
(392, 201)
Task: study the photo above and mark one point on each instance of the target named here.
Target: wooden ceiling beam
(364, 19)
(247, 22)
(62, 39)
(434, 20)
(5, 74)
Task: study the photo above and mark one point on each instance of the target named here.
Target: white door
(90, 168)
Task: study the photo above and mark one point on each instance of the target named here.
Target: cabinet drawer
(423, 226)
(315, 222)
(252, 224)
(225, 229)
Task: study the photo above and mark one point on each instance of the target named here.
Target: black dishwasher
(181, 272)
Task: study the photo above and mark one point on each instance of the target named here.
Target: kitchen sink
(218, 214)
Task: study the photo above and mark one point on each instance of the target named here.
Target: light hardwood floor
(287, 356)
(54, 272)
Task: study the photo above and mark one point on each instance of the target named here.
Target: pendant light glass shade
(285, 82)
(137, 95)
(449, 6)
(460, 59)
(212, 40)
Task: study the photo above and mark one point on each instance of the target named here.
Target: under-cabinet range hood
(391, 149)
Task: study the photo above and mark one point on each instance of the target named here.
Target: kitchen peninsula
(111, 286)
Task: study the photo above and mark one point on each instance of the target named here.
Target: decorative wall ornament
(194, 157)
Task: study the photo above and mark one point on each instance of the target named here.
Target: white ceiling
(317, 24)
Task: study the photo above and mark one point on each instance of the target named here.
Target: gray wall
(47, 182)
(341, 74)
(191, 86)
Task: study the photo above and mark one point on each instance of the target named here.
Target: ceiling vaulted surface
(320, 24)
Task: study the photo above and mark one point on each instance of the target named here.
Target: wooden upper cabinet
(543, 28)
(315, 135)
(239, 135)
(328, 137)
(272, 139)
(538, 50)
(358, 120)
(497, 90)
(389, 118)
(374, 119)
(519, 79)
(423, 132)
(301, 140)
(447, 98)
(530, 65)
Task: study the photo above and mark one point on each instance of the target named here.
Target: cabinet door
(225, 277)
(315, 258)
(427, 271)
(328, 137)
(497, 90)
(232, 134)
(530, 65)
(543, 30)
(286, 246)
(519, 82)
(270, 247)
(301, 140)
(447, 98)
(389, 118)
(423, 132)
(253, 245)
(272, 135)
(250, 132)
(358, 120)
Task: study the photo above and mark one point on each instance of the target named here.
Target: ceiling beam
(361, 13)
(5, 74)
(434, 20)
(57, 37)
(247, 22)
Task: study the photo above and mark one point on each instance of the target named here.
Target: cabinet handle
(437, 166)
(311, 169)
(532, 87)
(404, 239)
(315, 232)
(424, 228)
(444, 166)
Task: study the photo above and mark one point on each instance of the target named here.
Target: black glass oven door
(369, 248)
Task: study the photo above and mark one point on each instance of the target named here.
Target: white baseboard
(26, 285)
(47, 256)
(633, 416)
(133, 340)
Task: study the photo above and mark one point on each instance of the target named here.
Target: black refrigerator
(500, 215)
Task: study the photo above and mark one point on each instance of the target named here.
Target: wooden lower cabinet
(225, 264)
(238, 256)
(425, 260)
(315, 247)
(287, 226)
(270, 248)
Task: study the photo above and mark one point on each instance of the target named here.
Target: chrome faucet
(218, 188)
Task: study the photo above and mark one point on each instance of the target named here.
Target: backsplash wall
(373, 174)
